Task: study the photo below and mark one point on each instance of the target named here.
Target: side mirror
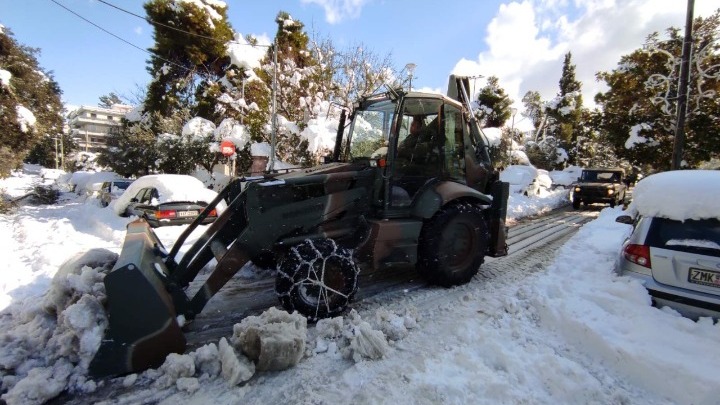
(625, 219)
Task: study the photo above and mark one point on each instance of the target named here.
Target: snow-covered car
(527, 180)
(111, 190)
(167, 199)
(674, 247)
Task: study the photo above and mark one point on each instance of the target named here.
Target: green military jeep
(605, 186)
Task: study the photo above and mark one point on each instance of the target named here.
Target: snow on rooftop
(667, 195)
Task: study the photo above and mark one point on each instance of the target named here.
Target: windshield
(370, 130)
(600, 177)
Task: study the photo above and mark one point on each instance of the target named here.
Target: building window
(93, 115)
(110, 118)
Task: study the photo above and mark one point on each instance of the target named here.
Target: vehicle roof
(600, 169)
(678, 195)
(437, 96)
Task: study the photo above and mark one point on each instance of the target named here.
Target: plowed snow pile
(47, 344)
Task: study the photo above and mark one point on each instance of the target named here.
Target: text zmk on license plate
(704, 277)
(187, 213)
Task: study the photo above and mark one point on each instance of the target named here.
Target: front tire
(317, 278)
(453, 244)
(576, 204)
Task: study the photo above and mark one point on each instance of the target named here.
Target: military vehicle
(376, 202)
(598, 185)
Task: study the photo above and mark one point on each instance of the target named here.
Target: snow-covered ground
(571, 333)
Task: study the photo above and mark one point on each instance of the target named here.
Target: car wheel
(576, 204)
(452, 245)
(317, 278)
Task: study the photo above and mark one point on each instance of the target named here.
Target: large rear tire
(317, 278)
(453, 244)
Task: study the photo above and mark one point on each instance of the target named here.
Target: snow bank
(611, 319)
(48, 343)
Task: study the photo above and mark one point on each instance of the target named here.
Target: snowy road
(531, 241)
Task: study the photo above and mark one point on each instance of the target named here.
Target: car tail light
(212, 213)
(638, 254)
(165, 214)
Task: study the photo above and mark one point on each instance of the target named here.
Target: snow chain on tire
(317, 278)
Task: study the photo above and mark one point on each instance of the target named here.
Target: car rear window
(693, 236)
(122, 185)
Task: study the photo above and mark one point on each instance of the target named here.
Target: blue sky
(521, 42)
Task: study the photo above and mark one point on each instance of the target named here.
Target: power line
(121, 39)
(152, 22)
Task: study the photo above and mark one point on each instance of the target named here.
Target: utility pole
(274, 107)
(679, 143)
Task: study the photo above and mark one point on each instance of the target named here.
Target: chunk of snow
(25, 118)
(235, 369)
(275, 340)
(666, 195)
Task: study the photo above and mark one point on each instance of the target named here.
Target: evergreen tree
(302, 84)
(108, 100)
(639, 107)
(534, 111)
(30, 106)
(494, 104)
(565, 111)
(187, 56)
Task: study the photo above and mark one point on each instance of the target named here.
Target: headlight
(611, 191)
(578, 189)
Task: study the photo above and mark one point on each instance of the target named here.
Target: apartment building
(90, 126)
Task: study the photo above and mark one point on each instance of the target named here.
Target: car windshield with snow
(166, 199)
(674, 248)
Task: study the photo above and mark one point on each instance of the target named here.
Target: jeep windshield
(370, 129)
(599, 177)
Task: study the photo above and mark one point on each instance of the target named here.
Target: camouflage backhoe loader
(435, 203)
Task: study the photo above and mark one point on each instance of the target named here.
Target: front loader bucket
(143, 328)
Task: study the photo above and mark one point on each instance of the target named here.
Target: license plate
(187, 213)
(704, 277)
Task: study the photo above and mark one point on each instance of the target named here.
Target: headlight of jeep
(578, 189)
(611, 191)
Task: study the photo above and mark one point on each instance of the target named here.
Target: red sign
(227, 148)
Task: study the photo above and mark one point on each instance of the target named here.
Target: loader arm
(146, 288)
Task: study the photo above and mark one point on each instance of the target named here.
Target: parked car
(674, 247)
(167, 199)
(111, 190)
(527, 180)
(604, 186)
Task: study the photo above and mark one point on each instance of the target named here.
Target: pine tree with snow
(565, 111)
(189, 52)
(493, 104)
(30, 106)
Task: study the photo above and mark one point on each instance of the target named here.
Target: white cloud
(527, 40)
(338, 10)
